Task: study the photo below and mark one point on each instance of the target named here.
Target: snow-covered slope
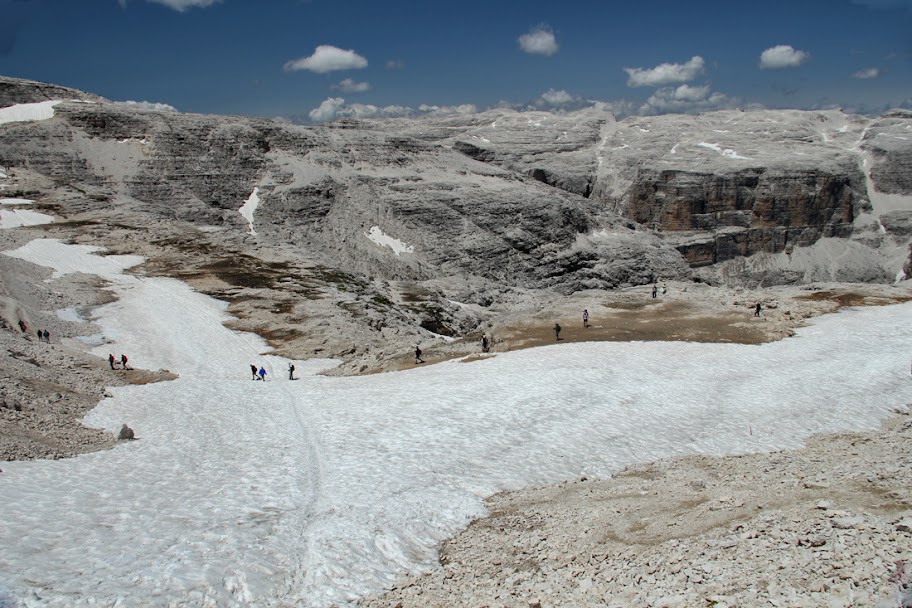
(316, 491)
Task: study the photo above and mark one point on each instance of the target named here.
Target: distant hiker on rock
(111, 361)
(485, 345)
(664, 289)
(22, 326)
(262, 374)
(418, 358)
(123, 361)
(40, 335)
(291, 371)
(47, 336)
(585, 318)
(126, 434)
(253, 370)
(757, 310)
(557, 329)
(655, 290)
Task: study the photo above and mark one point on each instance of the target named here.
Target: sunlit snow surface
(317, 491)
(14, 218)
(27, 112)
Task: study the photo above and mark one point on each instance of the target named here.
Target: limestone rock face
(718, 185)
(888, 141)
(525, 199)
(325, 190)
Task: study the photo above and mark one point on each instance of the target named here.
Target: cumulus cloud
(867, 74)
(686, 99)
(178, 5)
(466, 108)
(666, 73)
(557, 98)
(327, 58)
(782, 56)
(326, 110)
(149, 105)
(539, 41)
(335, 107)
(350, 86)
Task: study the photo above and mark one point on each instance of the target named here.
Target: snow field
(319, 491)
(27, 112)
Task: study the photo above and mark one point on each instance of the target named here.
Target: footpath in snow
(317, 491)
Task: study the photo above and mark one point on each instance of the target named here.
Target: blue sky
(320, 59)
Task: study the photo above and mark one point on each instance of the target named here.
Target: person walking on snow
(262, 374)
(655, 289)
(585, 318)
(111, 360)
(418, 358)
(253, 371)
(123, 361)
(47, 336)
(485, 345)
(757, 310)
(291, 371)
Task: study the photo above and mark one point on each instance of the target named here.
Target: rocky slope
(359, 239)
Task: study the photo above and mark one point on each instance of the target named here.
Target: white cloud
(782, 56)
(182, 5)
(539, 41)
(466, 108)
(350, 86)
(665, 73)
(149, 105)
(867, 74)
(327, 58)
(335, 107)
(557, 98)
(685, 99)
(327, 110)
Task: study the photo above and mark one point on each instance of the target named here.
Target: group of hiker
(260, 374)
(43, 335)
(114, 362)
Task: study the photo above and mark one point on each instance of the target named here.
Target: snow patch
(380, 238)
(67, 259)
(249, 208)
(16, 218)
(27, 112)
(726, 153)
(15, 201)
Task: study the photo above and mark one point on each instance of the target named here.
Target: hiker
(291, 371)
(47, 336)
(111, 361)
(123, 361)
(485, 345)
(655, 290)
(585, 318)
(262, 374)
(557, 329)
(418, 358)
(757, 310)
(253, 370)
(22, 326)
(40, 335)
(664, 288)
